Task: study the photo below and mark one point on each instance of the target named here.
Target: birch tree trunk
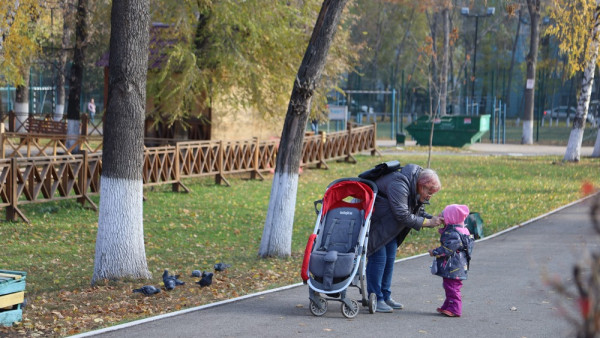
(76, 76)
(120, 251)
(22, 102)
(573, 152)
(534, 42)
(277, 233)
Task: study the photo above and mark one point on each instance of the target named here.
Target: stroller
(335, 255)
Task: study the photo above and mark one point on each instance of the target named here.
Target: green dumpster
(450, 130)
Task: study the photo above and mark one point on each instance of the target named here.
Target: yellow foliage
(572, 27)
(20, 22)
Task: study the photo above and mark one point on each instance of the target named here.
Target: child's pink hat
(455, 213)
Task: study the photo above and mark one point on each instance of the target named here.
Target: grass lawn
(185, 232)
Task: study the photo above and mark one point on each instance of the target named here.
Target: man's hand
(433, 222)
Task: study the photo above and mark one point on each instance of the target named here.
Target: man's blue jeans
(380, 267)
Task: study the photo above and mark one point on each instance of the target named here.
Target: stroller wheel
(372, 303)
(350, 312)
(320, 309)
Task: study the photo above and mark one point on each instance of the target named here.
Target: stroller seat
(335, 253)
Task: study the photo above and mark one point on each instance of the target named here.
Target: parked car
(563, 112)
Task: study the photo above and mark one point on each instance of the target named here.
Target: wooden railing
(26, 145)
(42, 179)
(25, 180)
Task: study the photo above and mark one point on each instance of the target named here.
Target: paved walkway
(505, 295)
(387, 146)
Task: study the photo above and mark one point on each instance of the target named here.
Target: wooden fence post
(322, 150)
(2, 147)
(219, 176)
(177, 162)
(349, 143)
(256, 172)
(374, 141)
(83, 179)
(255, 158)
(12, 210)
(83, 182)
(12, 190)
(175, 186)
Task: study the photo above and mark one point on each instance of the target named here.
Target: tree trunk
(534, 42)
(62, 60)
(277, 234)
(22, 102)
(596, 151)
(376, 47)
(445, 61)
(507, 90)
(434, 90)
(120, 251)
(572, 154)
(76, 77)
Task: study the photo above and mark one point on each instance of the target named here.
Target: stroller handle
(317, 210)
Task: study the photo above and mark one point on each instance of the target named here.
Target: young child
(452, 257)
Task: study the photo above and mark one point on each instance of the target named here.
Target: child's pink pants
(453, 302)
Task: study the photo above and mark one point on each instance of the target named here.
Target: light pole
(465, 12)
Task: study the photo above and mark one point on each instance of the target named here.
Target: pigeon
(147, 290)
(196, 273)
(171, 281)
(221, 266)
(177, 281)
(206, 279)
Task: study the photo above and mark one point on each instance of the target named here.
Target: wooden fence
(56, 173)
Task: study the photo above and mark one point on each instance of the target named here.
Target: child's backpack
(474, 223)
(468, 242)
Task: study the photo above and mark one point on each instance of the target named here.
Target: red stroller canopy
(335, 195)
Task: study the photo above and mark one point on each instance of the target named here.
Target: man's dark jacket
(394, 215)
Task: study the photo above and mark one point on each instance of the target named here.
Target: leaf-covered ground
(185, 232)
